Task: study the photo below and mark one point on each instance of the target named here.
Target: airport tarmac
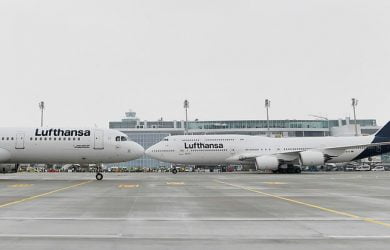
(195, 210)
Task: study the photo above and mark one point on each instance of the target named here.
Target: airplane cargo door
(19, 141)
(99, 139)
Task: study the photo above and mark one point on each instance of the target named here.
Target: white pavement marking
(178, 219)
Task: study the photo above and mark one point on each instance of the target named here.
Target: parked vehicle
(331, 167)
(349, 168)
(311, 168)
(363, 168)
(378, 168)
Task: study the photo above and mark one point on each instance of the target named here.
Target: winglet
(384, 131)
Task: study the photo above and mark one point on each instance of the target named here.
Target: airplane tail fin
(384, 131)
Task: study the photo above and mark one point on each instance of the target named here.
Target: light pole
(324, 118)
(354, 104)
(186, 106)
(41, 107)
(267, 106)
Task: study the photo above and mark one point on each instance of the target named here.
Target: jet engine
(8, 168)
(312, 158)
(267, 162)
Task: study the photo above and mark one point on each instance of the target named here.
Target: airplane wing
(329, 152)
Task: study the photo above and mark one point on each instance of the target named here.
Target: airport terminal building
(148, 133)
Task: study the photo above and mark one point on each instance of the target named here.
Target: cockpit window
(121, 138)
(165, 139)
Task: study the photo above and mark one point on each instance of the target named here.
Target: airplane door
(99, 139)
(19, 141)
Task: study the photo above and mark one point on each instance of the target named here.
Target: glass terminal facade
(148, 133)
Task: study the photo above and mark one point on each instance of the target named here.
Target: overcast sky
(91, 61)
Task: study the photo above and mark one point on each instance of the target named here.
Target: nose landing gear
(99, 176)
(174, 171)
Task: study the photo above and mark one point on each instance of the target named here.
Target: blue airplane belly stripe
(375, 150)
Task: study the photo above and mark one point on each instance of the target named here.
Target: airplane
(64, 145)
(274, 154)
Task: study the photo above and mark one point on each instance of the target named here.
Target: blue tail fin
(384, 131)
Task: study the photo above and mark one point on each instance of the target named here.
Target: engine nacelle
(312, 158)
(8, 168)
(267, 162)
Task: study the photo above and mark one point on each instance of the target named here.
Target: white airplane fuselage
(234, 149)
(66, 145)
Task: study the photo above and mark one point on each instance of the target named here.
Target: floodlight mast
(354, 104)
(267, 106)
(186, 106)
(42, 107)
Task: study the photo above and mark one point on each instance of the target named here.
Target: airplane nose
(137, 150)
(149, 152)
(154, 153)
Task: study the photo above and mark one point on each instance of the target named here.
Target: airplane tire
(99, 176)
(298, 170)
(174, 171)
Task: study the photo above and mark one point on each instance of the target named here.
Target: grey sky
(93, 60)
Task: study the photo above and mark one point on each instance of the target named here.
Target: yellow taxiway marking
(274, 183)
(42, 195)
(128, 186)
(20, 185)
(357, 217)
(175, 183)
